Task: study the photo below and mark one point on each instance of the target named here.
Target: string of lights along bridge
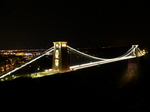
(60, 60)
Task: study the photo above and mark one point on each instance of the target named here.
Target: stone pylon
(61, 59)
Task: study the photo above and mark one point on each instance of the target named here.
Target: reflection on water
(131, 74)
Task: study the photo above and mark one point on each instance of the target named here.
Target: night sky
(87, 23)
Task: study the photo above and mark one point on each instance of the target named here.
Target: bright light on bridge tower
(60, 57)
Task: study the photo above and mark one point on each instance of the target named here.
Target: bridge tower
(60, 57)
(135, 52)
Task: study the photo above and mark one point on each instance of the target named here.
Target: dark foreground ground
(104, 88)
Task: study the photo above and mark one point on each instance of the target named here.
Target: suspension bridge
(60, 61)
